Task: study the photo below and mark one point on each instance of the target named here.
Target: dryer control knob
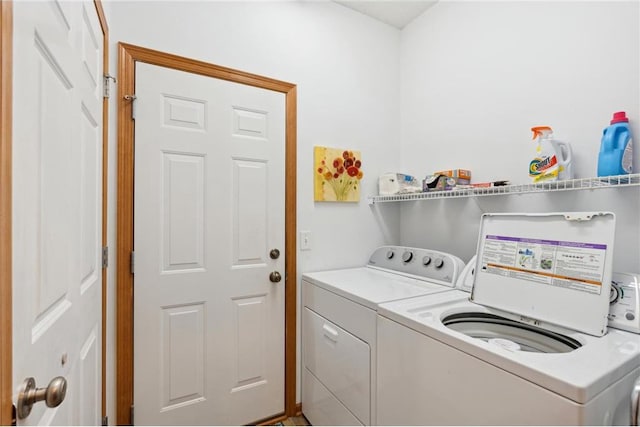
(426, 260)
(438, 263)
(407, 256)
(390, 254)
(630, 316)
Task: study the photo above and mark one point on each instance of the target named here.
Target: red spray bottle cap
(619, 116)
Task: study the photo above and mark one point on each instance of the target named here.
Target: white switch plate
(305, 240)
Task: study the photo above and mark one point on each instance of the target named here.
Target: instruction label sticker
(573, 265)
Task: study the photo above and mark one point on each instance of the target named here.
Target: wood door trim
(6, 120)
(105, 187)
(128, 55)
(291, 271)
(124, 245)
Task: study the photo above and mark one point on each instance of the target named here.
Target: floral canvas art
(337, 175)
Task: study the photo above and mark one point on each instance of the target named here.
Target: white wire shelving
(617, 181)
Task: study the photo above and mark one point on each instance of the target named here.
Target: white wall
(346, 67)
(476, 76)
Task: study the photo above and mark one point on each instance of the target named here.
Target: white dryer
(529, 345)
(339, 327)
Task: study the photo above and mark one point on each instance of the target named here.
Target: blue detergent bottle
(616, 149)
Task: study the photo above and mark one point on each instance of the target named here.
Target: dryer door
(338, 360)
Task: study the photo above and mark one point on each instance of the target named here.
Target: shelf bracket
(579, 216)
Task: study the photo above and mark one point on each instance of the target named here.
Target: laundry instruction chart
(573, 265)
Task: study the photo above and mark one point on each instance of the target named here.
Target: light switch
(305, 240)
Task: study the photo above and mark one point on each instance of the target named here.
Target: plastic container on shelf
(616, 148)
(553, 157)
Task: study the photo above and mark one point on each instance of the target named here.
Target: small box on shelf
(461, 176)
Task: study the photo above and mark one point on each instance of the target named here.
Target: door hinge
(105, 256)
(106, 90)
(14, 420)
(105, 421)
(133, 262)
(133, 99)
(131, 416)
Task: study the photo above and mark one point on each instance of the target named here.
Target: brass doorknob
(53, 395)
(275, 277)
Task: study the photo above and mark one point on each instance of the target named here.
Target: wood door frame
(128, 55)
(105, 187)
(6, 122)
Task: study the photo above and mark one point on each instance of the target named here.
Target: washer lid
(552, 268)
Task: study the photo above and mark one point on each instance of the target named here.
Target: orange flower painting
(337, 175)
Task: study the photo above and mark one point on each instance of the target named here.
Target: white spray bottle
(553, 157)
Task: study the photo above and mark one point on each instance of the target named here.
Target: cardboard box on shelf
(437, 183)
(490, 184)
(461, 176)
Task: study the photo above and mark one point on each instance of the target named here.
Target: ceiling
(397, 13)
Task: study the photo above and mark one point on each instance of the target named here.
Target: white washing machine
(339, 327)
(529, 345)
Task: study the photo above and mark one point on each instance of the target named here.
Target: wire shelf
(542, 187)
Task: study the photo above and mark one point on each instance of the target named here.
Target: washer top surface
(390, 277)
(370, 287)
(578, 375)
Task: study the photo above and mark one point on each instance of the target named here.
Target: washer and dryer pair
(524, 340)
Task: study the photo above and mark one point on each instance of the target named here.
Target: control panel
(624, 305)
(424, 264)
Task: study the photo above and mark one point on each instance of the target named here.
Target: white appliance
(529, 345)
(339, 327)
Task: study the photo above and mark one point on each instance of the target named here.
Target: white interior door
(57, 199)
(209, 208)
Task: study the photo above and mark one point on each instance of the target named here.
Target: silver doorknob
(274, 254)
(275, 277)
(635, 403)
(53, 395)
